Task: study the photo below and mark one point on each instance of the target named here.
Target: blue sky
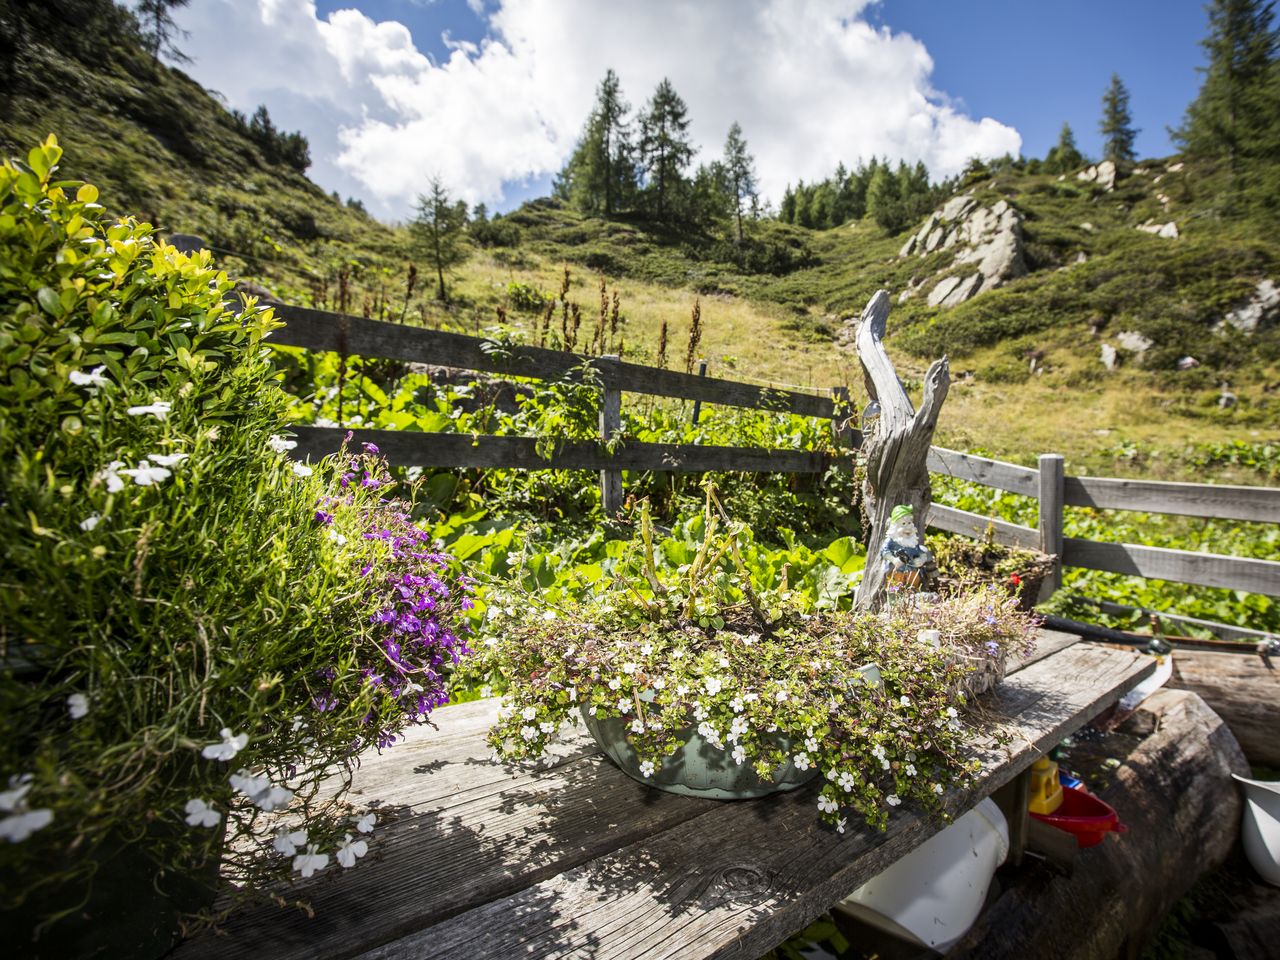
(490, 95)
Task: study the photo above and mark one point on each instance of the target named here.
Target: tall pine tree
(600, 175)
(1117, 128)
(739, 173)
(1235, 114)
(665, 151)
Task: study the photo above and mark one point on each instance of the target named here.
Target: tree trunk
(1175, 793)
(895, 445)
(1240, 688)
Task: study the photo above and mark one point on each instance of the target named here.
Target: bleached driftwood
(895, 446)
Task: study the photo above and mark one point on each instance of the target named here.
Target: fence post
(842, 422)
(697, 404)
(610, 424)
(1052, 481)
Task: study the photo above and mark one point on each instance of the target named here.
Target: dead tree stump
(895, 444)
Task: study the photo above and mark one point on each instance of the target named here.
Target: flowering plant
(195, 631)
(757, 672)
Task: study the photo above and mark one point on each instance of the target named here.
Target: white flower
(201, 813)
(15, 797)
(547, 727)
(846, 781)
(739, 754)
(311, 861)
(801, 760)
(646, 649)
(951, 712)
(280, 444)
(811, 744)
(260, 791)
(905, 701)
(110, 474)
(227, 748)
(878, 751)
(93, 378)
(17, 827)
(168, 459)
(699, 710)
(892, 799)
(827, 804)
(325, 422)
(301, 469)
(724, 663)
(780, 696)
(659, 684)
(737, 705)
(713, 685)
(160, 410)
(528, 713)
(646, 768)
(637, 725)
(738, 727)
(910, 769)
(548, 615)
(932, 638)
(486, 691)
(288, 842)
(937, 788)
(145, 475)
(615, 683)
(682, 690)
(89, 522)
(349, 851)
(336, 537)
(365, 823)
(624, 705)
(628, 667)
(529, 732)
(750, 697)
(77, 706)
(841, 824)
(750, 639)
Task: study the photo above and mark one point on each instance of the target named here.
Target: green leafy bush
(192, 629)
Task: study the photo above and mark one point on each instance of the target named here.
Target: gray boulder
(1261, 307)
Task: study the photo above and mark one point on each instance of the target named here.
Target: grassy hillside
(168, 152)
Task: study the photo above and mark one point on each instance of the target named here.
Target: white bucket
(1260, 827)
(933, 895)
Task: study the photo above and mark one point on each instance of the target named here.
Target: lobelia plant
(195, 632)
(870, 701)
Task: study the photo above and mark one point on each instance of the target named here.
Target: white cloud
(810, 81)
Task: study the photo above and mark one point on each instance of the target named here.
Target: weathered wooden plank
(1261, 504)
(455, 831)
(975, 525)
(610, 427)
(1048, 642)
(1049, 520)
(465, 451)
(736, 880)
(320, 330)
(989, 473)
(1181, 566)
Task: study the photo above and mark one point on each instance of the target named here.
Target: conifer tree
(1235, 114)
(665, 151)
(600, 175)
(1117, 128)
(437, 232)
(882, 191)
(159, 32)
(1064, 156)
(739, 173)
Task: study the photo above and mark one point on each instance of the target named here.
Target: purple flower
(370, 448)
(325, 518)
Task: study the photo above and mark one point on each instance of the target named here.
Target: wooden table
(476, 859)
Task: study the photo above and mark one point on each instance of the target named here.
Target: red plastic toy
(1084, 816)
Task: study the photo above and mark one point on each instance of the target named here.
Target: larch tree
(665, 150)
(160, 33)
(437, 232)
(739, 173)
(1116, 126)
(600, 175)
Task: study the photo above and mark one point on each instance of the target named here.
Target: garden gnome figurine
(905, 559)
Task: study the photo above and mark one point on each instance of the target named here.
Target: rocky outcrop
(1167, 230)
(1261, 308)
(1103, 174)
(989, 237)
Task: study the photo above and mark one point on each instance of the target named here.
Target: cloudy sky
(490, 95)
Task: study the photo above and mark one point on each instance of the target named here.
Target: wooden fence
(612, 453)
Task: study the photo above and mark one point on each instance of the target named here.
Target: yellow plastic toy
(1046, 791)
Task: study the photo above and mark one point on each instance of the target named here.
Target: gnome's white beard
(904, 532)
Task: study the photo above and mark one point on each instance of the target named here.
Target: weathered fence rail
(612, 453)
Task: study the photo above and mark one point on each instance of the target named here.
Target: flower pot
(696, 769)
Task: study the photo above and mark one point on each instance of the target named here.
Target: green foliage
(291, 149)
(892, 197)
(166, 589)
(739, 174)
(1064, 156)
(665, 152)
(438, 232)
(600, 176)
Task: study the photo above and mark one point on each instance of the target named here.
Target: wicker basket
(966, 564)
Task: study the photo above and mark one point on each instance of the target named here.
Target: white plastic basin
(1260, 827)
(935, 893)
